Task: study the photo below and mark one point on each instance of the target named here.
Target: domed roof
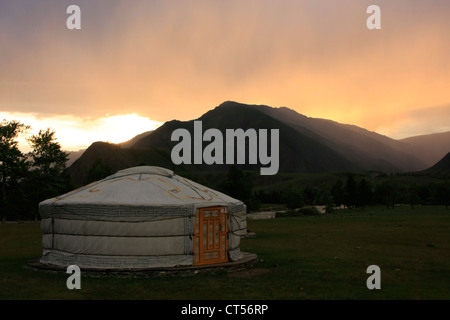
(144, 170)
(129, 191)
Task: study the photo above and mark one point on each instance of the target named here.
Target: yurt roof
(142, 186)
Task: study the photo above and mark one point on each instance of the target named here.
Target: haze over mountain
(74, 156)
(305, 144)
(365, 148)
(432, 147)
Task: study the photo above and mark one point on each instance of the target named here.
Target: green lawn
(308, 257)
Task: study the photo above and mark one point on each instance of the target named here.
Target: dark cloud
(166, 59)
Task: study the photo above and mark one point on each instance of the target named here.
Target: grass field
(308, 257)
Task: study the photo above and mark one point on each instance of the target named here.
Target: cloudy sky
(135, 64)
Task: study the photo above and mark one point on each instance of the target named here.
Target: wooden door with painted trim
(210, 236)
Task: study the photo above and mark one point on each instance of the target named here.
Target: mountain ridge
(306, 144)
(362, 145)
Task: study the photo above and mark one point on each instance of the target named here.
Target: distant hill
(367, 149)
(441, 168)
(131, 142)
(116, 158)
(307, 145)
(298, 152)
(431, 147)
(73, 156)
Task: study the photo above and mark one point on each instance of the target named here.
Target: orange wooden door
(210, 236)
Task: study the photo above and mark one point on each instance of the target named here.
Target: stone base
(248, 260)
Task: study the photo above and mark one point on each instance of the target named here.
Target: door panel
(210, 236)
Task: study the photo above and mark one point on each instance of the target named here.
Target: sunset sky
(136, 64)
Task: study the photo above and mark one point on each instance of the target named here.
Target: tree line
(29, 178)
(26, 179)
(359, 193)
(349, 191)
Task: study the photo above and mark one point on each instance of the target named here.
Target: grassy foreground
(306, 257)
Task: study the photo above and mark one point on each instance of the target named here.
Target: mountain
(298, 152)
(73, 156)
(431, 147)
(129, 143)
(116, 158)
(367, 149)
(305, 144)
(441, 168)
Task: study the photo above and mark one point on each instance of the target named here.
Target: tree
(350, 192)
(98, 171)
(47, 176)
(309, 194)
(413, 195)
(48, 158)
(443, 193)
(13, 163)
(293, 197)
(338, 193)
(239, 185)
(325, 198)
(387, 193)
(427, 193)
(364, 193)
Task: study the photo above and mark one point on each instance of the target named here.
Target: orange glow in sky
(76, 133)
(133, 67)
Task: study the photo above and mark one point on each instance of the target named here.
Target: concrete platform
(248, 260)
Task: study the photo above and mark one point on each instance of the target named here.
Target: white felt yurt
(141, 217)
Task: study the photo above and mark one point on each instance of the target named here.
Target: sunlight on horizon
(75, 133)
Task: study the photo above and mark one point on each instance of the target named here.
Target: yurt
(142, 217)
